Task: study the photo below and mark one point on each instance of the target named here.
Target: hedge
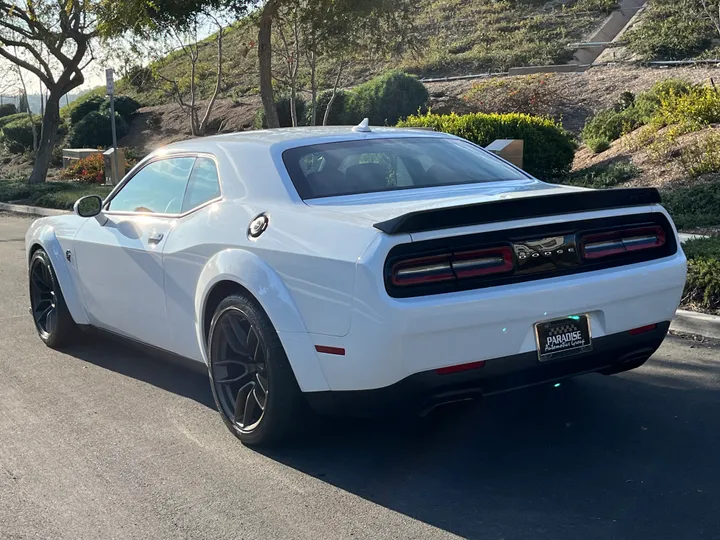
(17, 135)
(702, 288)
(94, 131)
(548, 148)
(386, 99)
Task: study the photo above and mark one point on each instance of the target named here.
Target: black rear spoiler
(520, 208)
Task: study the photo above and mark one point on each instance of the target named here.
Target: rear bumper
(423, 391)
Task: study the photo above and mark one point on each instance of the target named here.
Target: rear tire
(252, 382)
(52, 319)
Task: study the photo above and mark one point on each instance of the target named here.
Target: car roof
(303, 136)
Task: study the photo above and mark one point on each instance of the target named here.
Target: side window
(158, 188)
(204, 184)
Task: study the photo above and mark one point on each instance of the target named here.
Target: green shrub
(125, 106)
(282, 106)
(548, 148)
(703, 247)
(7, 119)
(386, 99)
(702, 156)
(672, 30)
(696, 206)
(702, 288)
(602, 176)
(82, 107)
(17, 135)
(698, 107)
(610, 125)
(94, 131)
(597, 144)
(337, 112)
(49, 194)
(7, 109)
(647, 103)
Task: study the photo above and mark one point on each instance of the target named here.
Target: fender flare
(252, 273)
(67, 276)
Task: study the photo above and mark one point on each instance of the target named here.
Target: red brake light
(595, 246)
(460, 265)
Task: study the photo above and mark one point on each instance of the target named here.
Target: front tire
(52, 319)
(252, 382)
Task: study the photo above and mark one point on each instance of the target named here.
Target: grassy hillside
(458, 36)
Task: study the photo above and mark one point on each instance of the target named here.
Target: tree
(61, 32)
(341, 31)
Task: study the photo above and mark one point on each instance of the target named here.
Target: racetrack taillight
(596, 246)
(453, 266)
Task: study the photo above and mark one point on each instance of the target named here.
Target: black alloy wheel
(239, 371)
(251, 379)
(53, 321)
(43, 301)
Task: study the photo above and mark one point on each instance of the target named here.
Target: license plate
(561, 338)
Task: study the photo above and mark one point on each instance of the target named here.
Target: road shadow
(630, 456)
(182, 377)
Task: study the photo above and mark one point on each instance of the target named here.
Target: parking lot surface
(102, 441)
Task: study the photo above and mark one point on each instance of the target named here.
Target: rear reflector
(643, 329)
(462, 367)
(596, 246)
(330, 350)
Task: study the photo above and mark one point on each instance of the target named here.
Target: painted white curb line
(702, 324)
(31, 210)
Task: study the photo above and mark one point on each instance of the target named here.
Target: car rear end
(475, 297)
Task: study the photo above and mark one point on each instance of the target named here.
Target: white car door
(119, 253)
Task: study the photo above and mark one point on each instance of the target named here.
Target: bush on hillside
(548, 148)
(702, 288)
(84, 106)
(672, 30)
(125, 106)
(602, 176)
(610, 125)
(696, 206)
(386, 99)
(703, 247)
(282, 106)
(94, 131)
(597, 144)
(7, 109)
(697, 107)
(17, 135)
(647, 103)
(337, 112)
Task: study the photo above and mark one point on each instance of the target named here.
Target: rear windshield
(367, 166)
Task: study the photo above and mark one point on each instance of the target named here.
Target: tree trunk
(50, 124)
(313, 89)
(326, 117)
(265, 62)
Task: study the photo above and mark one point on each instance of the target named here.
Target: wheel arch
(235, 271)
(45, 238)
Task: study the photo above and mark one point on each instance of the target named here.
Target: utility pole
(110, 88)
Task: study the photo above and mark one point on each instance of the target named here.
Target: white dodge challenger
(358, 270)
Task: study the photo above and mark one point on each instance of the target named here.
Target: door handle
(155, 238)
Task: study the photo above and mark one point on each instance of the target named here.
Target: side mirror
(88, 206)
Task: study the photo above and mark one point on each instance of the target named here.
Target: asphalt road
(104, 442)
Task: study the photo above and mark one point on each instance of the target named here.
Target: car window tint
(204, 184)
(385, 164)
(158, 188)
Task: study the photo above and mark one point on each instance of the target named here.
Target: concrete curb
(31, 210)
(690, 322)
